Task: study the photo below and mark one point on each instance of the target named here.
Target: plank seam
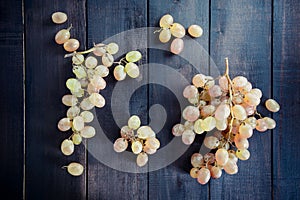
(24, 101)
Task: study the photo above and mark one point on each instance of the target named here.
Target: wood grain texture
(241, 31)
(11, 103)
(46, 73)
(174, 181)
(105, 19)
(286, 74)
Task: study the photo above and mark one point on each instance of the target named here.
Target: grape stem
(230, 98)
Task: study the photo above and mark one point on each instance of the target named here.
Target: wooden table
(261, 39)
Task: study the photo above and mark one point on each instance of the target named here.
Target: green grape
(166, 21)
(102, 71)
(197, 126)
(73, 85)
(78, 59)
(145, 132)
(87, 116)
(208, 124)
(73, 112)
(67, 147)
(78, 93)
(79, 72)
(134, 122)
(75, 169)
(91, 62)
(88, 132)
(76, 138)
(132, 70)
(112, 48)
(107, 60)
(133, 56)
(97, 100)
(78, 123)
(141, 159)
(243, 154)
(136, 147)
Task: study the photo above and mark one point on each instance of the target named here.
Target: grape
(133, 56)
(71, 45)
(232, 156)
(190, 91)
(78, 93)
(199, 80)
(73, 85)
(216, 172)
(132, 70)
(208, 123)
(136, 147)
(67, 147)
(245, 131)
(241, 143)
(223, 82)
(189, 125)
(119, 73)
(90, 73)
(215, 102)
(73, 112)
(272, 105)
(76, 139)
(112, 48)
(152, 143)
(249, 109)
(203, 176)
(237, 99)
(209, 158)
(251, 121)
(86, 104)
(222, 112)
(194, 172)
(231, 167)
(69, 100)
(99, 50)
(195, 31)
(188, 137)
(222, 157)
(194, 100)
(215, 91)
(207, 110)
(75, 169)
(84, 82)
(98, 82)
(134, 122)
(142, 159)
(239, 112)
(191, 113)
(177, 46)
(257, 92)
(88, 132)
(120, 145)
(270, 123)
(261, 125)
(87, 116)
(165, 35)
(97, 100)
(149, 150)
(166, 21)
(211, 142)
(59, 17)
(247, 88)
(197, 126)
(145, 132)
(243, 154)
(239, 82)
(91, 62)
(197, 160)
(79, 71)
(92, 89)
(221, 124)
(126, 132)
(178, 129)
(62, 36)
(78, 123)
(251, 99)
(107, 60)
(102, 71)
(77, 59)
(209, 83)
(177, 30)
(64, 124)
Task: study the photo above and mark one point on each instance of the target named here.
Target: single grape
(190, 91)
(207, 110)
(112, 48)
(215, 91)
(102, 71)
(152, 143)
(245, 131)
(178, 129)
(134, 122)
(92, 89)
(64, 124)
(261, 125)
(71, 45)
(78, 123)
(243, 154)
(62, 36)
(197, 160)
(79, 71)
(223, 82)
(272, 105)
(145, 132)
(149, 150)
(199, 80)
(241, 143)
(208, 123)
(76, 139)
(67, 147)
(59, 17)
(177, 46)
(251, 99)
(126, 132)
(270, 123)
(222, 157)
(211, 142)
(191, 113)
(166, 21)
(120, 145)
(99, 50)
(87, 116)
(239, 112)
(247, 88)
(197, 126)
(133, 56)
(132, 70)
(177, 30)
(232, 156)
(142, 159)
(79, 92)
(194, 172)
(107, 60)
(231, 167)
(165, 35)
(73, 85)
(203, 175)
(257, 92)
(97, 100)
(98, 82)
(73, 112)
(239, 82)
(195, 31)
(216, 172)
(222, 112)
(221, 124)
(91, 62)
(119, 73)
(88, 132)
(189, 125)
(69, 100)
(188, 137)
(77, 59)
(251, 121)
(136, 147)
(75, 169)
(249, 109)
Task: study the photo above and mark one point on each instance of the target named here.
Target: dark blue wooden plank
(11, 103)
(46, 73)
(174, 181)
(286, 74)
(106, 19)
(241, 31)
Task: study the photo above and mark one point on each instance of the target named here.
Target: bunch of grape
(169, 28)
(230, 110)
(143, 141)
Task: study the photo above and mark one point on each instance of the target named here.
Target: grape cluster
(143, 141)
(229, 109)
(169, 28)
